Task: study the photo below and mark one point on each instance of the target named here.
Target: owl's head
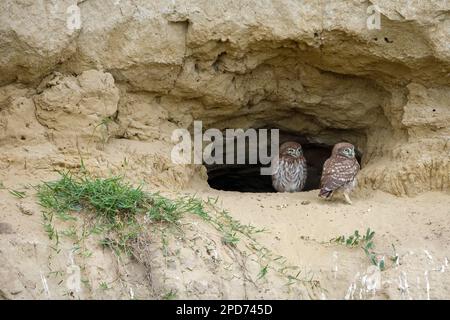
(292, 149)
(344, 149)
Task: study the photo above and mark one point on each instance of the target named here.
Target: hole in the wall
(216, 64)
(247, 178)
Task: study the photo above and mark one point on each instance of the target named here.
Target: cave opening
(248, 178)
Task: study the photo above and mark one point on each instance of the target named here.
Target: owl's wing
(356, 168)
(326, 174)
(336, 174)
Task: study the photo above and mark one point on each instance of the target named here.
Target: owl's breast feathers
(294, 166)
(337, 172)
(290, 174)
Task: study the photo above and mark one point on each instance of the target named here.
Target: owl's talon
(347, 199)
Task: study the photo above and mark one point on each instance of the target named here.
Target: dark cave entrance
(247, 177)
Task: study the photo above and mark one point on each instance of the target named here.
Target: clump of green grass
(109, 198)
(365, 242)
(114, 204)
(356, 239)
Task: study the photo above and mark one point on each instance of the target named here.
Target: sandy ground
(418, 228)
(298, 227)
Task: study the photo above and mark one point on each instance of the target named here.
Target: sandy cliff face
(137, 70)
(108, 82)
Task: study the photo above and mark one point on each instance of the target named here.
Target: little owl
(289, 168)
(339, 172)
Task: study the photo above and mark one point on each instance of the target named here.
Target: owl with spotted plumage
(289, 168)
(339, 172)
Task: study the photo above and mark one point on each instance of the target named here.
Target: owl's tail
(325, 193)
